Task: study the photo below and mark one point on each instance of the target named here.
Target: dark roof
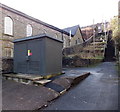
(36, 37)
(31, 18)
(73, 29)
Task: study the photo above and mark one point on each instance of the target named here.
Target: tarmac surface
(99, 91)
(19, 96)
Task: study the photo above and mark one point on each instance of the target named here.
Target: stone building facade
(75, 37)
(15, 24)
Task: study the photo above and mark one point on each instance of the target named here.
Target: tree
(115, 27)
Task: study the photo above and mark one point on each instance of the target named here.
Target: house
(87, 32)
(99, 28)
(15, 24)
(75, 35)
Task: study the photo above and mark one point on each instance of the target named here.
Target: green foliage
(114, 26)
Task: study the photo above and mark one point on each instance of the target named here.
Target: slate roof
(36, 37)
(73, 29)
(31, 18)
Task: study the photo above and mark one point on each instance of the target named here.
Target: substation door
(33, 57)
(29, 57)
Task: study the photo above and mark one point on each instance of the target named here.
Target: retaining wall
(78, 62)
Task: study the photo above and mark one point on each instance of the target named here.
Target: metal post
(94, 37)
(105, 30)
(105, 40)
(70, 37)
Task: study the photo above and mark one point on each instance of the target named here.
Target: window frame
(29, 33)
(11, 32)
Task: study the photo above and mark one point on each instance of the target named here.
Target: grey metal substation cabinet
(39, 54)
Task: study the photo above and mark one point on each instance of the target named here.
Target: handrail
(71, 49)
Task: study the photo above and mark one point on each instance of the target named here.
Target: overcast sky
(66, 13)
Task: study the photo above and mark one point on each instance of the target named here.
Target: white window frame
(8, 25)
(29, 30)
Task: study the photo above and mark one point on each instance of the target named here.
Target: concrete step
(22, 78)
(41, 82)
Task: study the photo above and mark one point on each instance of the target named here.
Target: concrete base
(31, 97)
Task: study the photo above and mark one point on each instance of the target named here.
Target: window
(70, 34)
(29, 30)
(78, 41)
(8, 52)
(75, 41)
(56, 36)
(8, 26)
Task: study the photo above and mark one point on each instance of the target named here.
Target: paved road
(99, 91)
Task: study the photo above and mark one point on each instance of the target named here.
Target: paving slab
(24, 76)
(64, 82)
(18, 96)
(68, 81)
(42, 82)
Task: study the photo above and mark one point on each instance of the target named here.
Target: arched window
(56, 36)
(8, 26)
(29, 30)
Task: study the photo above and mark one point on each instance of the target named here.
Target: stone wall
(7, 65)
(78, 62)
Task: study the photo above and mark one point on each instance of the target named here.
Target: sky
(67, 13)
